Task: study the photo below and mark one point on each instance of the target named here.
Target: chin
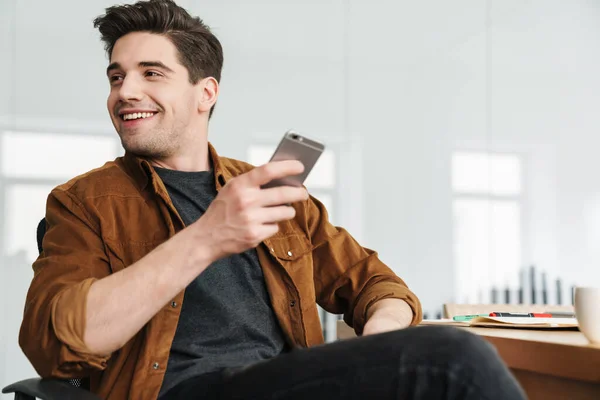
(136, 146)
(145, 149)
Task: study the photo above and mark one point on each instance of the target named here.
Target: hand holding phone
(294, 146)
(243, 214)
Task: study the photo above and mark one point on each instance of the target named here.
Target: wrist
(393, 309)
(198, 247)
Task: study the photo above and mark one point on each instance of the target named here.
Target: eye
(115, 79)
(153, 74)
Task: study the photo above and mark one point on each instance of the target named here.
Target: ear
(208, 92)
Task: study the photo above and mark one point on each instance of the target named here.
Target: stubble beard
(157, 143)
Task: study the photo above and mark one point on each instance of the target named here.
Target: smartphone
(294, 146)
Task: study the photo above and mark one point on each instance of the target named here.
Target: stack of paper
(511, 322)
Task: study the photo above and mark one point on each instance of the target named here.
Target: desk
(549, 364)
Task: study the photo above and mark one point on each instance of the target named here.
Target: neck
(191, 157)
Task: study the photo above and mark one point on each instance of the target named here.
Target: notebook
(510, 322)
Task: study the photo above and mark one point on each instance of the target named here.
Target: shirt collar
(143, 173)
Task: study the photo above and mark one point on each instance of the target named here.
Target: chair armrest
(49, 389)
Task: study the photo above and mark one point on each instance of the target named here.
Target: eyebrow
(141, 64)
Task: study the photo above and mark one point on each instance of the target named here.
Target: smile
(132, 116)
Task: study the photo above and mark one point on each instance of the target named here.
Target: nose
(130, 89)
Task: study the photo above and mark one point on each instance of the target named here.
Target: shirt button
(155, 365)
(292, 303)
(289, 253)
(173, 304)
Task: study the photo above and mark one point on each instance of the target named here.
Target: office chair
(50, 389)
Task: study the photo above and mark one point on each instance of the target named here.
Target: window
(54, 156)
(32, 164)
(27, 205)
(487, 210)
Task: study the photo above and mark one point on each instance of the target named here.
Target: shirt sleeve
(72, 258)
(350, 278)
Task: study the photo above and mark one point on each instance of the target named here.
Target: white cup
(587, 309)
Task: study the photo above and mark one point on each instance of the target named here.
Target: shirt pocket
(289, 249)
(294, 253)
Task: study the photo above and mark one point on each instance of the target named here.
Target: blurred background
(461, 135)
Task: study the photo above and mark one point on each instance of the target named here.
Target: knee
(468, 357)
(441, 345)
(457, 345)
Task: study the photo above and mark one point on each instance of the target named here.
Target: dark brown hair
(200, 52)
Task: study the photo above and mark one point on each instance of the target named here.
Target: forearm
(119, 305)
(396, 310)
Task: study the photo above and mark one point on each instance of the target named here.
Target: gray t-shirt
(226, 319)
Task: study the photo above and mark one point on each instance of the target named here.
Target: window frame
(520, 200)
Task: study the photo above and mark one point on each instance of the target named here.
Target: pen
(521, 315)
(533, 315)
(463, 318)
(562, 314)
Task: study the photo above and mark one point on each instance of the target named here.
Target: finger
(274, 170)
(272, 215)
(266, 231)
(281, 195)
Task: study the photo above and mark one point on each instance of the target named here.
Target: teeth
(127, 117)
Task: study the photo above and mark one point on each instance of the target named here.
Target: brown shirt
(109, 218)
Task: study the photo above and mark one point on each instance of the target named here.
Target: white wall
(402, 82)
(6, 46)
(545, 93)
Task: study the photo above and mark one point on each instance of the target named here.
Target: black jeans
(415, 363)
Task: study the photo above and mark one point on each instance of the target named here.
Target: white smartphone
(294, 146)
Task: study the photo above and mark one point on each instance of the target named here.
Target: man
(169, 273)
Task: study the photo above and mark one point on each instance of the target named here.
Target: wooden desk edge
(562, 360)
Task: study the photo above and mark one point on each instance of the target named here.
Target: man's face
(152, 104)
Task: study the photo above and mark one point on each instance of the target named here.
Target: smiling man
(170, 273)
